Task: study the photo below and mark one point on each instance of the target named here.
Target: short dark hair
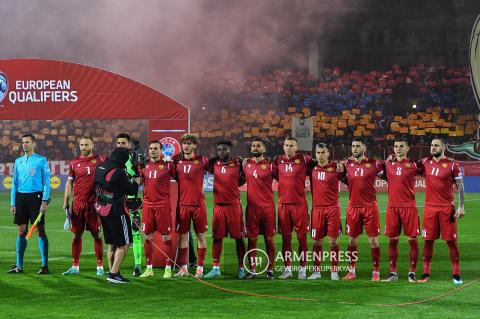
(154, 142)
(228, 143)
(86, 137)
(290, 138)
(401, 139)
(441, 139)
(358, 139)
(124, 135)
(29, 135)
(188, 137)
(258, 139)
(321, 145)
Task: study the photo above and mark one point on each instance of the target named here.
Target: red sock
(240, 252)
(334, 253)
(287, 249)
(76, 251)
(454, 257)
(302, 249)
(217, 251)
(427, 255)
(352, 256)
(393, 254)
(375, 258)
(98, 245)
(252, 244)
(413, 255)
(201, 252)
(270, 252)
(182, 256)
(317, 256)
(169, 251)
(148, 248)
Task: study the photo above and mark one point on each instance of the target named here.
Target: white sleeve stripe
(70, 178)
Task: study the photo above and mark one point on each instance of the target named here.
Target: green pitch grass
(29, 295)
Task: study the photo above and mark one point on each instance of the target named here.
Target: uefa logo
(3, 86)
(170, 146)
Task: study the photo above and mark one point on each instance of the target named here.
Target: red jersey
(156, 176)
(82, 173)
(361, 181)
(401, 182)
(226, 177)
(259, 183)
(324, 185)
(291, 174)
(439, 179)
(190, 174)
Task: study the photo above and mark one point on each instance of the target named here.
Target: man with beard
(227, 212)
(260, 216)
(439, 214)
(82, 183)
(362, 210)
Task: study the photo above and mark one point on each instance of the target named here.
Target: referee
(30, 195)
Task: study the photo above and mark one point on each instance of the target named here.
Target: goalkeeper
(124, 140)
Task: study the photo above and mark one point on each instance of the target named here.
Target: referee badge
(297, 161)
(263, 167)
(407, 165)
(32, 171)
(444, 165)
(368, 165)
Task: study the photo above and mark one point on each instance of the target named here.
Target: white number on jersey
(88, 170)
(288, 168)
(399, 171)
(154, 175)
(358, 171)
(255, 174)
(223, 170)
(321, 176)
(435, 171)
(186, 168)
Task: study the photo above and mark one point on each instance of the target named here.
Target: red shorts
(228, 219)
(359, 217)
(439, 220)
(158, 218)
(398, 217)
(293, 216)
(197, 213)
(260, 221)
(84, 216)
(326, 222)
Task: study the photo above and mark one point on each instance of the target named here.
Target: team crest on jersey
(264, 167)
(160, 166)
(232, 165)
(78, 165)
(368, 165)
(444, 165)
(330, 169)
(170, 146)
(407, 165)
(195, 162)
(297, 161)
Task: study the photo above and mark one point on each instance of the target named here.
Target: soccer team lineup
(102, 197)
